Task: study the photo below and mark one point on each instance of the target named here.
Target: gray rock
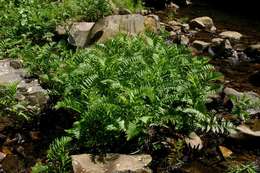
(233, 36)
(79, 32)
(29, 91)
(200, 45)
(111, 163)
(111, 26)
(204, 23)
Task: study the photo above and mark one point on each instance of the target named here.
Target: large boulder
(28, 90)
(111, 163)
(78, 33)
(204, 23)
(110, 26)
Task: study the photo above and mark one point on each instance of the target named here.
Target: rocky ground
(226, 49)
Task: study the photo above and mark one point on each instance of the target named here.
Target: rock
(221, 47)
(232, 92)
(111, 163)
(2, 156)
(29, 91)
(194, 141)
(200, 46)
(225, 151)
(110, 26)
(78, 33)
(243, 132)
(204, 23)
(233, 36)
(61, 30)
(173, 7)
(253, 51)
(184, 40)
(152, 23)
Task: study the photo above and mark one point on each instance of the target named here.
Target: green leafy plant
(243, 168)
(9, 106)
(242, 105)
(133, 5)
(58, 159)
(128, 84)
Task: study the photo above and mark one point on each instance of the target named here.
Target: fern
(59, 160)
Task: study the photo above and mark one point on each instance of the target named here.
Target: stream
(238, 76)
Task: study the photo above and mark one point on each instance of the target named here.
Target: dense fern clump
(128, 84)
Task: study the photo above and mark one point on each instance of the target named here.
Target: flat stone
(232, 35)
(200, 45)
(111, 163)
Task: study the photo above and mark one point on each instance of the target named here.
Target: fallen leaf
(225, 151)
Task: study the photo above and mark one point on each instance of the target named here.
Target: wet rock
(233, 36)
(175, 25)
(232, 92)
(28, 91)
(220, 47)
(111, 163)
(79, 32)
(200, 46)
(110, 26)
(253, 51)
(194, 141)
(204, 23)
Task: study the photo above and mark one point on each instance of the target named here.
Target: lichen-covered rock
(111, 163)
(110, 26)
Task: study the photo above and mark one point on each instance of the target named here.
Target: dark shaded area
(234, 7)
